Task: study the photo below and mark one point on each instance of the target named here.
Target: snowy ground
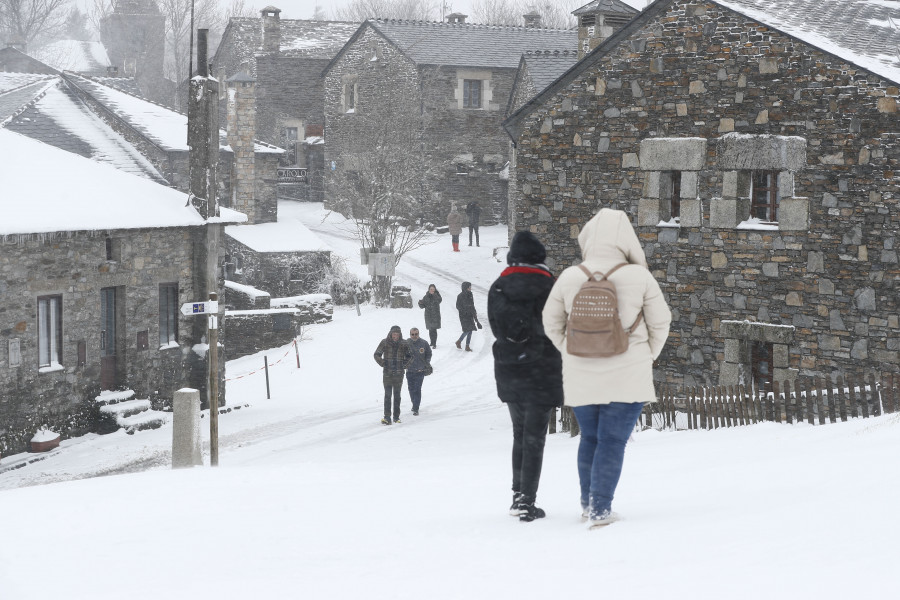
(313, 498)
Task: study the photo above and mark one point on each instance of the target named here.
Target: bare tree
(554, 14)
(413, 10)
(98, 10)
(32, 21)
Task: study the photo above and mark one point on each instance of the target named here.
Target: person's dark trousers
(477, 240)
(432, 335)
(393, 383)
(529, 434)
(414, 380)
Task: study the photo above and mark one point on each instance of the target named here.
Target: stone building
(449, 83)
(286, 57)
(755, 147)
(96, 263)
(134, 37)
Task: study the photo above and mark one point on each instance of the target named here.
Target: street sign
(200, 308)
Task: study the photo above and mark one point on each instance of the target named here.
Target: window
(588, 20)
(462, 169)
(49, 331)
(764, 195)
(168, 313)
(289, 141)
(472, 93)
(672, 193)
(113, 250)
(761, 364)
(350, 96)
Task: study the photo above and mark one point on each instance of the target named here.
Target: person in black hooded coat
(527, 366)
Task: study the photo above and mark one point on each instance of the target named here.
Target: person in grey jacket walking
(418, 368)
(431, 302)
(394, 356)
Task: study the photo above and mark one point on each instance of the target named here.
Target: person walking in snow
(527, 366)
(394, 356)
(468, 318)
(454, 224)
(418, 368)
(431, 302)
(473, 212)
(607, 394)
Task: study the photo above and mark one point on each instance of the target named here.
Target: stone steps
(131, 413)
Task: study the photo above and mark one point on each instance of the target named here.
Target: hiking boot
(517, 508)
(601, 519)
(385, 421)
(532, 512)
(459, 344)
(469, 349)
(415, 412)
(396, 419)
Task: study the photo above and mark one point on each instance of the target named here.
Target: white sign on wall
(15, 354)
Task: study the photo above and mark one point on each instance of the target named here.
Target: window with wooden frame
(472, 93)
(672, 193)
(49, 329)
(764, 195)
(168, 314)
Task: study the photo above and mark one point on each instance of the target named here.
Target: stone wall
(74, 266)
(251, 331)
(727, 96)
(278, 273)
(466, 148)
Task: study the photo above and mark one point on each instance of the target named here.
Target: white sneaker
(585, 514)
(602, 520)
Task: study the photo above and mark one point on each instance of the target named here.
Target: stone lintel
(673, 154)
(739, 151)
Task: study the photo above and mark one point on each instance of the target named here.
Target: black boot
(532, 512)
(517, 509)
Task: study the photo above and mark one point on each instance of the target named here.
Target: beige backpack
(594, 329)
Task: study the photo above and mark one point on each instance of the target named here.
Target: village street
(314, 497)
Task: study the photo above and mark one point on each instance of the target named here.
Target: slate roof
(470, 44)
(606, 6)
(75, 55)
(18, 90)
(59, 118)
(544, 67)
(862, 32)
(299, 37)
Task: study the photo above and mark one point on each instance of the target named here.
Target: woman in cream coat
(607, 394)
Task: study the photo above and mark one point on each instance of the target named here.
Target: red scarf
(521, 269)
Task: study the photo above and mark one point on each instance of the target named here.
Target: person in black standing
(468, 318)
(393, 355)
(473, 211)
(431, 302)
(527, 366)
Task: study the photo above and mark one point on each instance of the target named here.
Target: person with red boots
(454, 222)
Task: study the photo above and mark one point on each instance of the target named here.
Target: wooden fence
(811, 400)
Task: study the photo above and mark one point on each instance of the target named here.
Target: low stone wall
(313, 308)
(250, 331)
(238, 296)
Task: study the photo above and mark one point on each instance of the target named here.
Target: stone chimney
(18, 44)
(457, 18)
(240, 129)
(533, 20)
(271, 25)
(595, 25)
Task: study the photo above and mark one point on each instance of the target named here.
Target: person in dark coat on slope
(431, 302)
(527, 366)
(468, 318)
(394, 356)
(418, 368)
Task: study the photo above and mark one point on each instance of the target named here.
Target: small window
(672, 193)
(764, 195)
(761, 364)
(289, 142)
(49, 331)
(350, 97)
(112, 249)
(168, 313)
(471, 93)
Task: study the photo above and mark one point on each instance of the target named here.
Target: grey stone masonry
(696, 90)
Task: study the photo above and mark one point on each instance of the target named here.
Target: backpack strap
(586, 272)
(640, 316)
(614, 269)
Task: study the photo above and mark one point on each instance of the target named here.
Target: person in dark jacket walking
(527, 366)
(431, 302)
(468, 318)
(473, 211)
(394, 356)
(419, 367)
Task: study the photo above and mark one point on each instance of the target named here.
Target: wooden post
(854, 409)
(820, 401)
(213, 385)
(876, 401)
(297, 352)
(888, 392)
(841, 399)
(788, 403)
(832, 403)
(266, 365)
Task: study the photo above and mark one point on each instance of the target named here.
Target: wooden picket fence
(811, 400)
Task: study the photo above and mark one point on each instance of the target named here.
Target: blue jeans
(605, 429)
(467, 335)
(414, 381)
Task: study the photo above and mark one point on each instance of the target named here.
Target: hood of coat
(395, 329)
(609, 236)
(526, 248)
(466, 286)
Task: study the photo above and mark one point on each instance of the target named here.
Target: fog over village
(231, 233)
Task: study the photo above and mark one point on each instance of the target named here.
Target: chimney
(271, 24)
(240, 129)
(203, 139)
(457, 18)
(533, 20)
(112, 71)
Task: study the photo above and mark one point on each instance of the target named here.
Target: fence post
(266, 361)
(888, 391)
(842, 398)
(297, 352)
(854, 409)
(551, 426)
(820, 401)
(876, 396)
(832, 407)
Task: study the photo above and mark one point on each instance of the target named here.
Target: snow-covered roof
(163, 126)
(57, 117)
(287, 235)
(18, 90)
(75, 55)
(47, 190)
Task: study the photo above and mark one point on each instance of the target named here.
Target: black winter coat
(393, 357)
(432, 305)
(465, 304)
(538, 382)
